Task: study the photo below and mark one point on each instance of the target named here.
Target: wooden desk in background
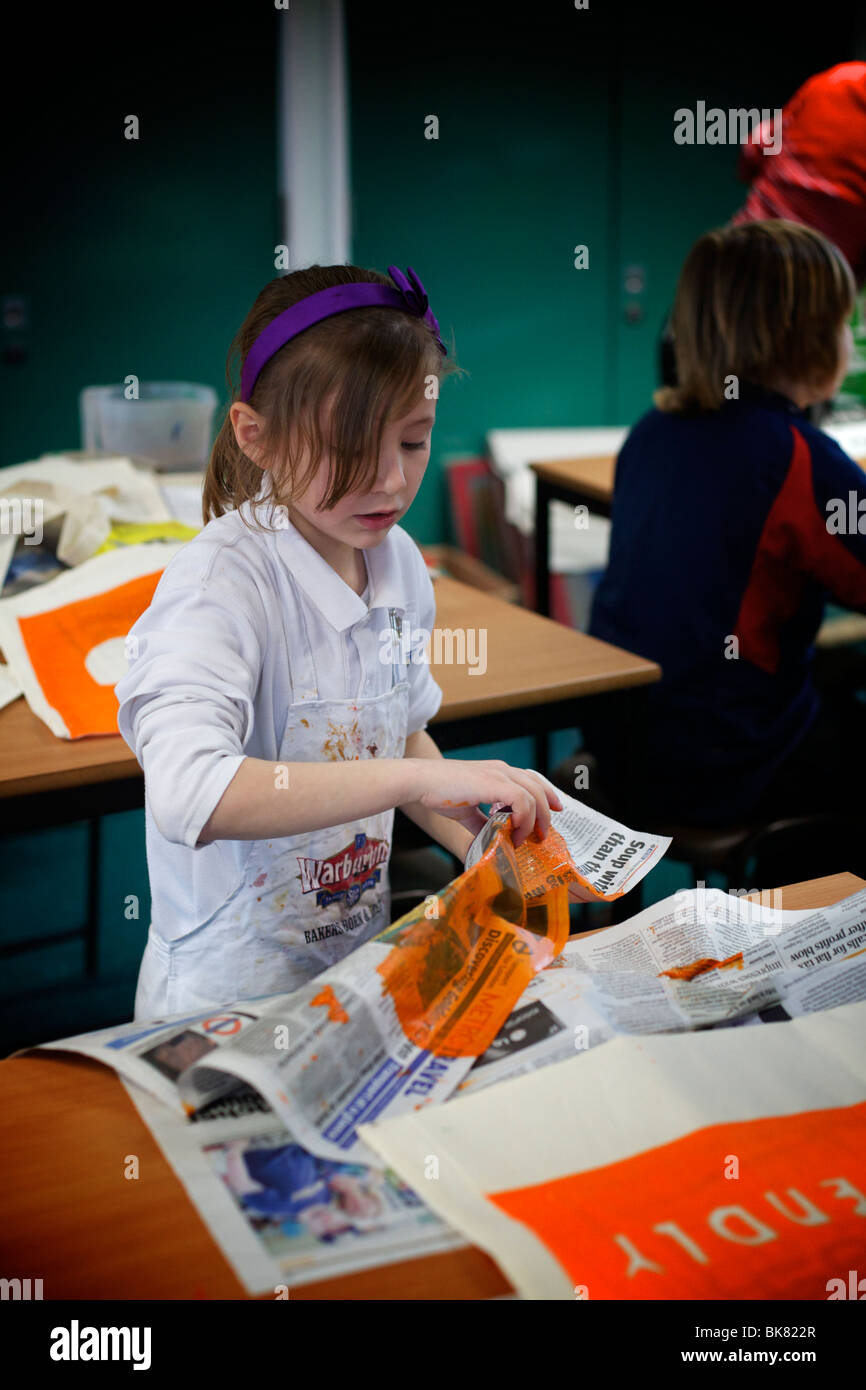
(537, 673)
(70, 1218)
(589, 482)
(584, 482)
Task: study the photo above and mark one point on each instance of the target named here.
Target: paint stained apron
(304, 901)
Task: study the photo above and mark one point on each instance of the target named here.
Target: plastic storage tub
(170, 423)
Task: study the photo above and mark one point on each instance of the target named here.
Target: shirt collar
(333, 597)
(762, 395)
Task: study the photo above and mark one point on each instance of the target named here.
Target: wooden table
(536, 671)
(581, 481)
(589, 482)
(70, 1217)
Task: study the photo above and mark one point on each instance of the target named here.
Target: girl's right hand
(457, 789)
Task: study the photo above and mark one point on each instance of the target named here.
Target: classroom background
(144, 256)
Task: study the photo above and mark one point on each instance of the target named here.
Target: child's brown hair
(365, 365)
(762, 302)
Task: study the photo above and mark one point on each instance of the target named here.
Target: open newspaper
(261, 1099)
(398, 1023)
(282, 1216)
(699, 959)
(256, 1103)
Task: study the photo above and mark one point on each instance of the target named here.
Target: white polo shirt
(208, 682)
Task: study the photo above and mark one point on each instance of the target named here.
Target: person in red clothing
(819, 175)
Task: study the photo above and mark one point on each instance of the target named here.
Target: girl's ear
(248, 427)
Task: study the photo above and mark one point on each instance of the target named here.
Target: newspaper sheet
(155, 1055)
(584, 847)
(396, 1025)
(699, 959)
(392, 1027)
(281, 1216)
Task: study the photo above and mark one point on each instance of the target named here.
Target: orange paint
(455, 978)
(578, 1216)
(342, 743)
(544, 863)
(328, 999)
(700, 967)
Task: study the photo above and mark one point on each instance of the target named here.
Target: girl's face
(363, 519)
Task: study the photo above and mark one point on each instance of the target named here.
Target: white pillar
(312, 133)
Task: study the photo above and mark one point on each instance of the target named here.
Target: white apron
(303, 901)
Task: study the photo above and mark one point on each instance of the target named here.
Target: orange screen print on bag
(671, 1223)
(58, 643)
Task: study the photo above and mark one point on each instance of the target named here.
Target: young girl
(269, 702)
(734, 520)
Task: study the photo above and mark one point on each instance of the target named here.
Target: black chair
(797, 847)
(779, 851)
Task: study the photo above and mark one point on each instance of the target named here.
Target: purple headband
(411, 297)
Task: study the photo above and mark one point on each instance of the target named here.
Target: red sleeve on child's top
(802, 544)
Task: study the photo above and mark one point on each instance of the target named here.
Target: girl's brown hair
(762, 302)
(359, 368)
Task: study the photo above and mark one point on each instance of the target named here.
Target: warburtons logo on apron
(345, 874)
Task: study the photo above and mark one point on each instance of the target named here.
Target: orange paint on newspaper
(546, 863)
(454, 976)
(327, 998)
(700, 967)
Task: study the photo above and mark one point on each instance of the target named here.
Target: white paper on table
(182, 493)
(774, 963)
(512, 451)
(850, 435)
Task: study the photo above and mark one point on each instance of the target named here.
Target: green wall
(136, 257)
(555, 129)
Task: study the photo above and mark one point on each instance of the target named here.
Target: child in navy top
(734, 521)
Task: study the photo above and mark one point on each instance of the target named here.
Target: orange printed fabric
(58, 643)
(545, 863)
(460, 961)
(762, 1209)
